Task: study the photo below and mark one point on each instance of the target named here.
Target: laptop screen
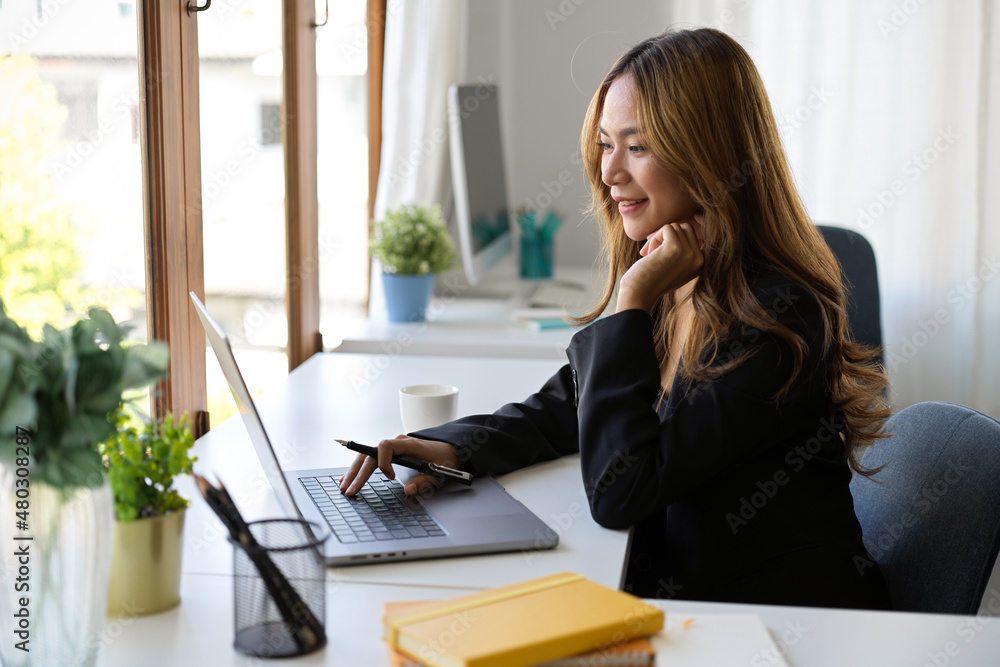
(251, 418)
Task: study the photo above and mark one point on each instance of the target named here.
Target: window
(113, 172)
(243, 191)
(80, 100)
(342, 85)
(270, 124)
(66, 141)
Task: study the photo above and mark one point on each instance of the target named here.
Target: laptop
(381, 524)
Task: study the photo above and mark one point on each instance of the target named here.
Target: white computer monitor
(482, 212)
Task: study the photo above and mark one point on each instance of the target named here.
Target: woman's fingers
(361, 469)
(426, 450)
(688, 236)
(389, 448)
(422, 485)
(673, 235)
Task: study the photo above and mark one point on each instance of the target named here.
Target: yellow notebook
(524, 624)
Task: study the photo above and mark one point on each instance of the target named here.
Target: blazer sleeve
(541, 428)
(635, 460)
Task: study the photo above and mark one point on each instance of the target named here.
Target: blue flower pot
(406, 297)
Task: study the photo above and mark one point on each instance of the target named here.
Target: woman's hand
(442, 453)
(670, 258)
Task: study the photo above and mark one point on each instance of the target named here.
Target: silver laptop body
(381, 524)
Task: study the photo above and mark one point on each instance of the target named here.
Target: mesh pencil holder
(279, 590)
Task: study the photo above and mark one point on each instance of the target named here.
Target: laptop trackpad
(454, 501)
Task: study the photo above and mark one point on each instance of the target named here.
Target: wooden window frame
(376, 58)
(299, 136)
(171, 155)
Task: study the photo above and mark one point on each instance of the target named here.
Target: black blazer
(733, 496)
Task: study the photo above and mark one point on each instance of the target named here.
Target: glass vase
(55, 570)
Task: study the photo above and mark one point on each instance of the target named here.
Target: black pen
(425, 467)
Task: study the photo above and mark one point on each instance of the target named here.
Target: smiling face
(649, 195)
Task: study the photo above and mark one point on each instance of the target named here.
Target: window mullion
(299, 136)
(168, 52)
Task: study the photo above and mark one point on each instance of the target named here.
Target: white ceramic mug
(425, 405)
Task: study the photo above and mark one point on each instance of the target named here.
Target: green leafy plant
(63, 389)
(142, 464)
(413, 240)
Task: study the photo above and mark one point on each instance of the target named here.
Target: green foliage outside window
(39, 259)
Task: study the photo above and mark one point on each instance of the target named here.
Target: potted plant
(146, 558)
(413, 245)
(56, 395)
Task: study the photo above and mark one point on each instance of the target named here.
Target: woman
(722, 408)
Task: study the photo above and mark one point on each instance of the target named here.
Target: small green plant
(413, 240)
(142, 464)
(64, 388)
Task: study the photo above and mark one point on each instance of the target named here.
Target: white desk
(200, 632)
(332, 394)
(356, 396)
(459, 327)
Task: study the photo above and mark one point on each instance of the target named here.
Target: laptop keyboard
(378, 512)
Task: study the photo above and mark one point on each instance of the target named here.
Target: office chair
(932, 520)
(857, 260)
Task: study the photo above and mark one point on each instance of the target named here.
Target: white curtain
(422, 54)
(422, 43)
(890, 112)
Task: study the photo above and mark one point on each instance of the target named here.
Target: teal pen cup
(536, 257)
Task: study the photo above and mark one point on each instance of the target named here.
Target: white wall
(548, 58)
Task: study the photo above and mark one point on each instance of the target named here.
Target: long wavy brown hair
(704, 113)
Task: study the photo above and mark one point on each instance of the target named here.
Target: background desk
(335, 395)
(471, 321)
(461, 327)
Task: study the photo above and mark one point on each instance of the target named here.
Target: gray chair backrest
(857, 259)
(932, 520)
